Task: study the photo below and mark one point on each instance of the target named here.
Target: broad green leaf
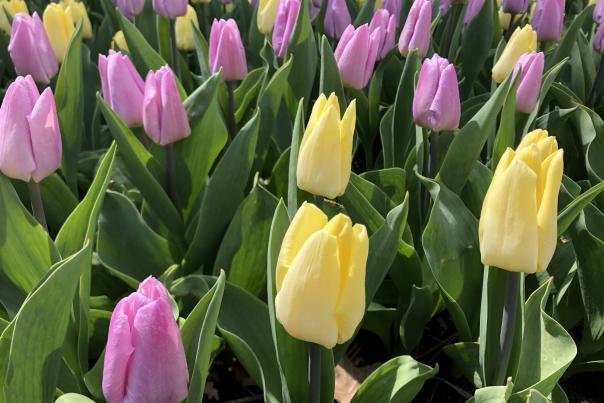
(247, 92)
(465, 360)
(493, 394)
(201, 51)
(330, 75)
(303, 49)
(390, 180)
(573, 209)
(387, 137)
(506, 134)
(143, 55)
(416, 316)
(292, 183)
(58, 200)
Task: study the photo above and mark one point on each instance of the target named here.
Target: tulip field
(294, 201)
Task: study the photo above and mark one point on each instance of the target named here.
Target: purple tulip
(170, 8)
(416, 31)
(337, 18)
(226, 50)
(394, 8)
(287, 14)
(30, 48)
(387, 22)
(598, 14)
(164, 115)
(30, 139)
(123, 88)
(515, 6)
(356, 55)
(130, 8)
(315, 7)
(144, 359)
(530, 81)
(599, 39)
(436, 102)
(548, 20)
(444, 6)
(474, 7)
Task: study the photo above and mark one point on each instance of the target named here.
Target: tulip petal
(547, 217)
(45, 136)
(347, 126)
(445, 110)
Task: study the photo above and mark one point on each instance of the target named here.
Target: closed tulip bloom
(522, 41)
(11, 7)
(77, 12)
(416, 31)
(59, 27)
(598, 14)
(164, 115)
(436, 103)
(337, 18)
(320, 277)
(530, 81)
(474, 7)
(267, 12)
(505, 19)
(394, 8)
(119, 41)
(548, 19)
(357, 53)
(170, 8)
(30, 139)
(515, 6)
(30, 49)
(184, 31)
(599, 39)
(518, 221)
(444, 6)
(123, 88)
(226, 50)
(144, 358)
(325, 156)
(387, 22)
(130, 8)
(287, 15)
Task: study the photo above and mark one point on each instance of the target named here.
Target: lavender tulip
(30, 49)
(387, 23)
(30, 139)
(416, 31)
(444, 6)
(164, 115)
(436, 103)
(599, 39)
(394, 8)
(144, 359)
(356, 55)
(515, 6)
(548, 20)
(530, 81)
(598, 14)
(130, 8)
(170, 8)
(337, 18)
(226, 50)
(123, 88)
(474, 7)
(287, 13)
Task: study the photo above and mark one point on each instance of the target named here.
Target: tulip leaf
(397, 380)
(387, 137)
(292, 181)
(565, 46)
(247, 92)
(330, 74)
(143, 55)
(476, 43)
(390, 180)
(465, 360)
(197, 333)
(416, 316)
(574, 208)
(201, 51)
(493, 394)
(365, 13)
(506, 134)
(73, 398)
(303, 49)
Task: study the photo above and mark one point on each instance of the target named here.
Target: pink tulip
(548, 20)
(598, 14)
(337, 18)
(130, 8)
(356, 54)
(287, 14)
(123, 88)
(30, 139)
(144, 359)
(474, 7)
(416, 31)
(164, 115)
(170, 8)
(226, 50)
(30, 48)
(394, 8)
(382, 19)
(598, 42)
(530, 81)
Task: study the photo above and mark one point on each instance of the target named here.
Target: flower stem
(171, 174)
(593, 92)
(37, 207)
(231, 113)
(508, 325)
(314, 372)
(433, 167)
(173, 48)
(511, 28)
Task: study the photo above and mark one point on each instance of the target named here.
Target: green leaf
(493, 394)
(416, 316)
(365, 13)
(292, 181)
(58, 200)
(574, 208)
(465, 360)
(506, 134)
(247, 92)
(397, 380)
(73, 398)
(303, 49)
(143, 55)
(390, 180)
(330, 74)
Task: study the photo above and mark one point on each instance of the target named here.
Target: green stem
(511, 28)
(433, 167)
(173, 48)
(171, 174)
(314, 372)
(508, 325)
(231, 112)
(37, 206)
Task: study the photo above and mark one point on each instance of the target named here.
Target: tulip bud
(337, 18)
(59, 27)
(119, 41)
(170, 8)
(76, 12)
(548, 20)
(387, 23)
(416, 31)
(325, 157)
(320, 277)
(599, 39)
(226, 50)
(474, 7)
(30, 139)
(130, 8)
(123, 88)
(164, 115)
(267, 11)
(184, 31)
(518, 221)
(522, 41)
(10, 7)
(505, 19)
(30, 49)
(436, 103)
(394, 8)
(144, 358)
(444, 6)
(598, 14)
(357, 53)
(287, 14)
(515, 6)
(530, 81)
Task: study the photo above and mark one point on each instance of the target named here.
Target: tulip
(170, 8)
(522, 41)
(394, 8)
(123, 88)
(184, 31)
(287, 14)
(518, 221)
(315, 7)
(130, 8)
(515, 6)
(10, 7)
(30, 49)
(598, 14)
(144, 358)
(30, 139)
(548, 19)
(357, 53)
(119, 41)
(320, 277)
(164, 115)
(436, 103)
(226, 50)
(416, 31)
(267, 12)
(444, 6)
(505, 19)
(599, 39)
(530, 81)
(325, 156)
(337, 18)
(474, 7)
(59, 27)
(387, 23)
(77, 12)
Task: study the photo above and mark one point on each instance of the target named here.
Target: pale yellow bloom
(59, 27)
(267, 12)
(184, 31)
(522, 41)
(119, 41)
(11, 8)
(77, 11)
(320, 277)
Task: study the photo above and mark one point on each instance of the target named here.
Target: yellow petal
(267, 12)
(347, 126)
(533, 137)
(76, 12)
(184, 31)
(547, 217)
(11, 7)
(333, 101)
(522, 41)
(315, 115)
(119, 41)
(531, 157)
(547, 147)
(59, 27)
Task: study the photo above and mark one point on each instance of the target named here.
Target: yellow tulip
(326, 149)
(11, 8)
(267, 12)
(59, 27)
(522, 41)
(518, 221)
(320, 277)
(184, 31)
(119, 41)
(506, 18)
(76, 12)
